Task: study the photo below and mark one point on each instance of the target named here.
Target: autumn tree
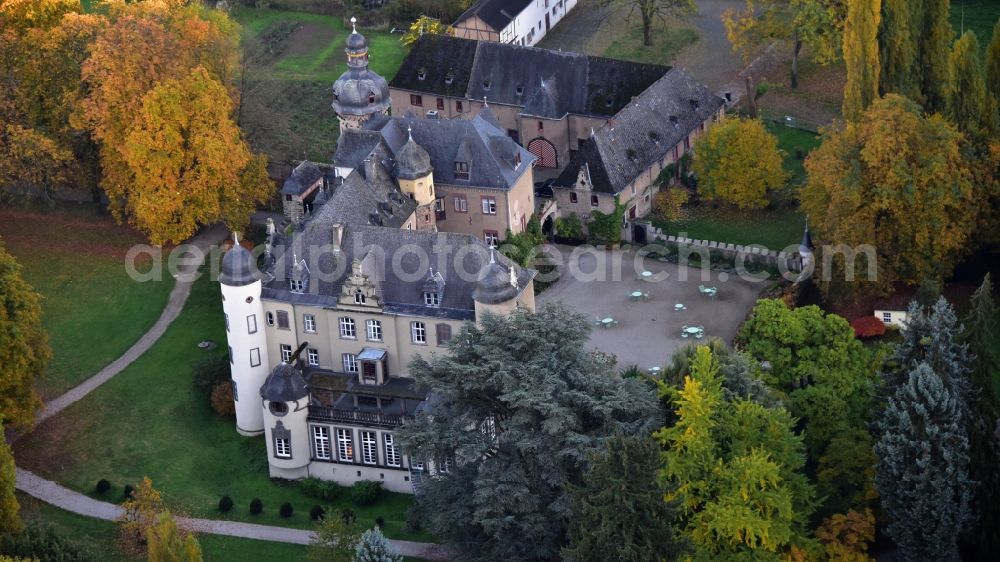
(619, 507)
(185, 155)
(993, 61)
(140, 513)
(737, 161)
(10, 523)
(29, 14)
(922, 470)
(817, 24)
(967, 105)
(24, 344)
(915, 39)
(31, 160)
(667, 204)
(846, 536)
(424, 25)
(651, 11)
(861, 56)
(164, 542)
(733, 467)
(895, 181)
(335, 538)
(898, 48)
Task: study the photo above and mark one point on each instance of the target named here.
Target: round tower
(500, 289)
(359, 93)
(416, 179)
(241, 287)
(285, 410)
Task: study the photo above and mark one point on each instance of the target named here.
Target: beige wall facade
(512, 207)
(475, 28)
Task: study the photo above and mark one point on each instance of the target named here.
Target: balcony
(356, 417)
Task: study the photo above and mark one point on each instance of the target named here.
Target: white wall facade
(892, 317)
(529, 27)
(248, 353)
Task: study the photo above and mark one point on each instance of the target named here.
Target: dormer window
(296, 285)
(359, 297)
(461, 170)
(421, 74)
(487, 84)
(371, 99)
(517, 159)
(655, 137)
(449, 78)
(519, 90)
(609, 102)
(432, 298)
(632, 156)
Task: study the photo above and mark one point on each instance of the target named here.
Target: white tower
(241, 289)
(806, 253)
(285, 410)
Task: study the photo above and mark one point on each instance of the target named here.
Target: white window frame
(348, 328)
(369, 447)
(359, 297)
(489, 203)
(286, 352)
(227, 322)
(269, 318)
(392, 454)
(312, 357)
(282, 448)
(491, 238)
(432, 298)
(350, 362)
(251, 323)
(309, 323)
(461, 204)
(886, 317)
(255, 357)
(345, 445)
(418, 333)
(321, 442)
(296, 285)
(373, 329)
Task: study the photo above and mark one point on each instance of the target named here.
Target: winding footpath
(52, 493)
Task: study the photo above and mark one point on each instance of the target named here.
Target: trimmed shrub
(286, 510)
(366, 492)
(102, 486)
(380, 521)
(317, 513)
(43, 542)
(327, 490)
(210, 371)
(225, 504)
(868, 327)
(256, 506)
(222, 399)
(127, 491)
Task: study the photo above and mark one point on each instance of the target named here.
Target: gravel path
(52, 493)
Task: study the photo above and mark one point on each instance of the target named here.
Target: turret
(359, 93)
(501, 289)
(285, 409)
(806, 253)
(416, 179)
(241, 288)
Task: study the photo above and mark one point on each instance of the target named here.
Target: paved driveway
(598, 283)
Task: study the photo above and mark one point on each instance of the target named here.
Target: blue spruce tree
(922, 469)
(374, 547)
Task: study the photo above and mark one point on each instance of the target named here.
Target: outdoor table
(679, 306)
(607, 322)
(646, 275)
(635, 295)
(692, 331)
(654, 370)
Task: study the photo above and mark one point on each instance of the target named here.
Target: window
(286, 352)
(283, 447)
(374, 329)
(440, 103)
(347, 328)
(461, 204)
(541, 127)
(416, 100)
(313, 357)
(487, 84)
(519, 90)
(345, 449)
(321, 442)
(283, 319)
(231, 361)
(255, 357)
(359, 297)
(421, 74)
(458, 106)
(418, 332)
(432, 299)
(444, 466)
(489, 205)
(269, 318)
(572, 197)
(887, 317)
(514, 135)
(369, 447)
(236, 388)
(443, 333)
(251, 323)
(461, 170)
(633, 190)
(309, 323)
(391, 450)
(296, 285)
(593, 201)
(491, 237)
(227, 323)
(350, 363)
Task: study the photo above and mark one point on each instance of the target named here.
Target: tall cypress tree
(915, 41)
(922, 468)
(993, 62)
(898, 48)
(936, 40)
(861, 54)
(967, 105)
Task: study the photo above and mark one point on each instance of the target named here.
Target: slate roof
(303, 176)
(284, 384)
(369, 196)
(458, 258)
(238, 267)
(496, 13)
(513, 74)
(352, 148)
(642, 132)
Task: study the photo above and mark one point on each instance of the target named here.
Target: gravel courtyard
(597, 284)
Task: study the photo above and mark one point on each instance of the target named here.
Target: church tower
(241, 287)
(359, 93)
(416, 179)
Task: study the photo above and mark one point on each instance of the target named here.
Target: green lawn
(91, 308)
(773, 229)
(979, 15)
(794, 142)
(149, 421)
(666, 44)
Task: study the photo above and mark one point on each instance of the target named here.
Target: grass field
(92, 310)
(794, 141)
(294, 59)
(149, 421)
(977, 15)
(666, 44)
(773, 229)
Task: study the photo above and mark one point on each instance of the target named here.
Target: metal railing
(325, 413)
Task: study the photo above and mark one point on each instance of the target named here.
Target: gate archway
(545, 152)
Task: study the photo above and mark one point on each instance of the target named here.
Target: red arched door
(545, 152)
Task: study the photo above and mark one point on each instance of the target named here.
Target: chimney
(338, 237)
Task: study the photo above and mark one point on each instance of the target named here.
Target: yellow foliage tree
(141, 512)
(895, 180)
(31, 159)
(846, 537)
(165, 544)
(186, 156)
(424, 25)
(737, 161)
(28, 14)
(10, 523)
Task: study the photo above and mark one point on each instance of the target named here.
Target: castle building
(521, 22)
(359, 94)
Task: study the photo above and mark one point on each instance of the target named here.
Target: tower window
(487, 84)
(371, 99)
(278, 408)
(270, 318)
(421, 74)
(255, 357)
(519, 90)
